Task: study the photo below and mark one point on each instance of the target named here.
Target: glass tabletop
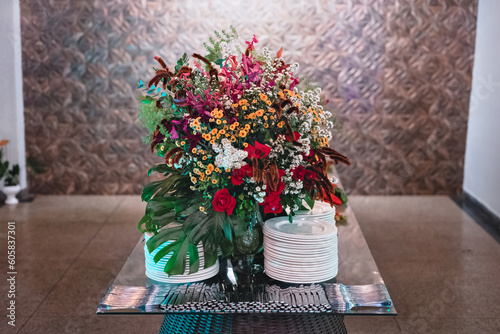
(356, 267)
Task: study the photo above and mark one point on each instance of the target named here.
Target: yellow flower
(232, 127)
(271, 110)
(208, 172)
(280, 124)
(266, 125)
(210, 167)
(194, 150)
(183, 143)
(195, 123)
(263, 97)
(214, 131)
(198, 128)
(224, 121)
(194, 179)
(259, 112)
(280, 94)
(228, 170)
(247, 126)
(268, 102)
(244, 108)
(236, 123)
(202, 208)
(243, 133)
(233, 139)
(265, 118)
(298, 95)
(214, 181)
(217, 169)
(242, 102)
(211, 119)
(222, 131)
(204, 157)
(218, 121)
(254, 101)
(245, 145)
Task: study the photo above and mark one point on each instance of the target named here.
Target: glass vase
(248, 242)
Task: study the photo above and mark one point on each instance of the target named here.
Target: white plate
(309, 256)
(295, 243)
(198, 276)
(300, 228)
(299, 280)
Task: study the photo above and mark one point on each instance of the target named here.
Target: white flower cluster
(228, 156)
(292, 186)
(258, 192)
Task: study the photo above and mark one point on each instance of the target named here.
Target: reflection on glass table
(358, 289)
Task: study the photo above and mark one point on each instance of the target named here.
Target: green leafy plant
(4, 165)
(172, 205)
(12, 177)
(214, 47)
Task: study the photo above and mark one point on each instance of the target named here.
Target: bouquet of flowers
(238, 137)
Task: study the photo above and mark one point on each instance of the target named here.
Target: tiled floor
(441, 268)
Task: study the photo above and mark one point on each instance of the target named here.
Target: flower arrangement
(238, 136)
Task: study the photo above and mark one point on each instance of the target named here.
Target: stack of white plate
(321, 210)
(304, 251)
(155, 270)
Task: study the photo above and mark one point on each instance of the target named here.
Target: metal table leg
(253, 323)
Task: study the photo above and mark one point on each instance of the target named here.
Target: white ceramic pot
(11, 192)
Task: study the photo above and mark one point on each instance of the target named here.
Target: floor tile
(429, 325)
(115, 241)
(5, 328)
(371, 325)
(102, 324)
(81, 289)
(75, 208)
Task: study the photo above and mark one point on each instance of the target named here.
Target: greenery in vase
(4, 165)
(238, 136)
(12, 178)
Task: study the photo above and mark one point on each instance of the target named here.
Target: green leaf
(176, 265)
(226, 247)
(145, 220)
(210, 258)
(310, 201)
(194, 259)
(171, 247)
(149, 190)
(160, 168)
(171, 233)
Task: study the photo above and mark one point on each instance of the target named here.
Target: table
(356, 267)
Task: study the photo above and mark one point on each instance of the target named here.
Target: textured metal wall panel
(398, 73)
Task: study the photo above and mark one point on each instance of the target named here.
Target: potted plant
(4, 165)
(12, 186)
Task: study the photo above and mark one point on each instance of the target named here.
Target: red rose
(240, 174)
(223, 201)
(274, 205)
(279, 190)
(299, 173)
(258, 151)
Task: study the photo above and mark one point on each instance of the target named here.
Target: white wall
(482, 156)
(11, 89)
